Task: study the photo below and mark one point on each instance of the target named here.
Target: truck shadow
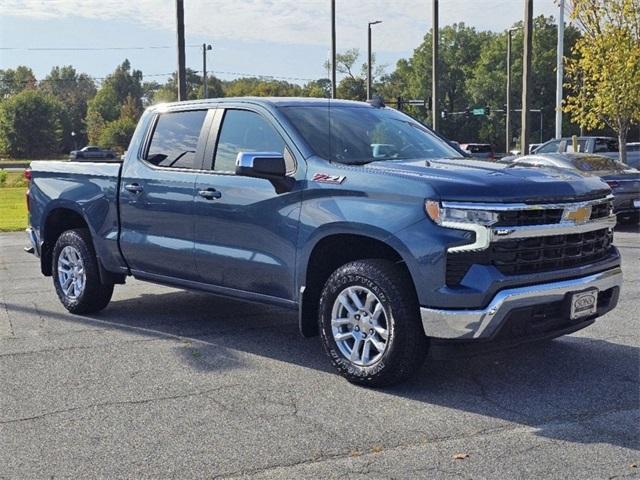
(574, 389)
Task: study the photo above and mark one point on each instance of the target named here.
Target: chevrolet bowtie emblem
(578, 214)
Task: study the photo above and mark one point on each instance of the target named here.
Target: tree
(95, 125)
(106, 103)
(604, 78)
(74, 91)
(117, 134)
(30, 124)
(15, 81)
(317, 88)
(354, 84)
(125, 83)
(260, 87)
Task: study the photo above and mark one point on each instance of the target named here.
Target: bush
(3, 177)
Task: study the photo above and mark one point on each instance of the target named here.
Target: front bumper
(485, 323)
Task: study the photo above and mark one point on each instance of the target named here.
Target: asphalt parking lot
(166, 383)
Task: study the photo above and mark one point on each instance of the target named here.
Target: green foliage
(15, 81)
(95, 125)
(604, 78)
(30, 124)
(106, 103)
(117, 134)
(3, 177)
(317, 88)
(74, 91)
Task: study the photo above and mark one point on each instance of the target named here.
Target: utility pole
(182, 84)
(333, 49)
(508, 107)
(205, 87)
(508, 110)
(526, 75)
(435, 34)
(560, 70)
(369, 59)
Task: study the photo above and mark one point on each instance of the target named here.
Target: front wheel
(75, 274)
(369, 323)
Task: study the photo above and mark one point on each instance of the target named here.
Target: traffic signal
(487, 110)
(467, 112)
(443, 114)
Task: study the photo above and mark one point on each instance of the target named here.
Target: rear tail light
(27, 175)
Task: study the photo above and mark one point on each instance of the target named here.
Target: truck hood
(464, 179)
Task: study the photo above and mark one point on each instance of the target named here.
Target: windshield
(358, 135)
(590, 164)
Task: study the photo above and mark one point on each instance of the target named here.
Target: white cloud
(288, 21)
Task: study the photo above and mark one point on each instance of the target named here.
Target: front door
(157, 197)
(245, 231)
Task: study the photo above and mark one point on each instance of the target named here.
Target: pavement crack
(118, 403)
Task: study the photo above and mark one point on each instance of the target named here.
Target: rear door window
(175, 139)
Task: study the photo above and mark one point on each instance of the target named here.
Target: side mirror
(267, 165)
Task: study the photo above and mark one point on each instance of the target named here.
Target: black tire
(407, 344)
(95, 295)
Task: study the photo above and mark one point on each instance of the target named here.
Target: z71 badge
(324, 178)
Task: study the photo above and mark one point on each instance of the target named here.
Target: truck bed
(91, 189)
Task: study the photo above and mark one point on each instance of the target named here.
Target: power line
(90, 49)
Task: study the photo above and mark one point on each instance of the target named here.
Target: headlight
(443, 215)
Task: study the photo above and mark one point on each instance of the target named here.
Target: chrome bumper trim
(476, 324)
(33, 239)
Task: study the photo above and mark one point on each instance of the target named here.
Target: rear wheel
(369, 323)
(75, 274)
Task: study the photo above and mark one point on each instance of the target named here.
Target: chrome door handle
(134, 188)
(209, 193)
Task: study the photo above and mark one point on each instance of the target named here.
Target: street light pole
(369, 59)
(435, 34)
(333, 49)
(205, 86)
(526, 74)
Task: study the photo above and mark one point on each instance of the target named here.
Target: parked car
(607, 146)
(633, 154)
(92, 153)
(380, 250)
(623, 179)
(479, 150)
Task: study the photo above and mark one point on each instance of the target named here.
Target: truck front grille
(546, 216)
(519, 218)
(533, 255)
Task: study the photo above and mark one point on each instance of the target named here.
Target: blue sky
(282, 38)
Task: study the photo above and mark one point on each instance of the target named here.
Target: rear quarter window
(175, 139)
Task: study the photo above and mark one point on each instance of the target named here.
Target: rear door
(245, 230)
(157, 192)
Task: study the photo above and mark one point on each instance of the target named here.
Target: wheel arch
(58, 219)
(326, 255)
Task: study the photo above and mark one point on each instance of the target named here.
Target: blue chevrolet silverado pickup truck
(383, 237)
